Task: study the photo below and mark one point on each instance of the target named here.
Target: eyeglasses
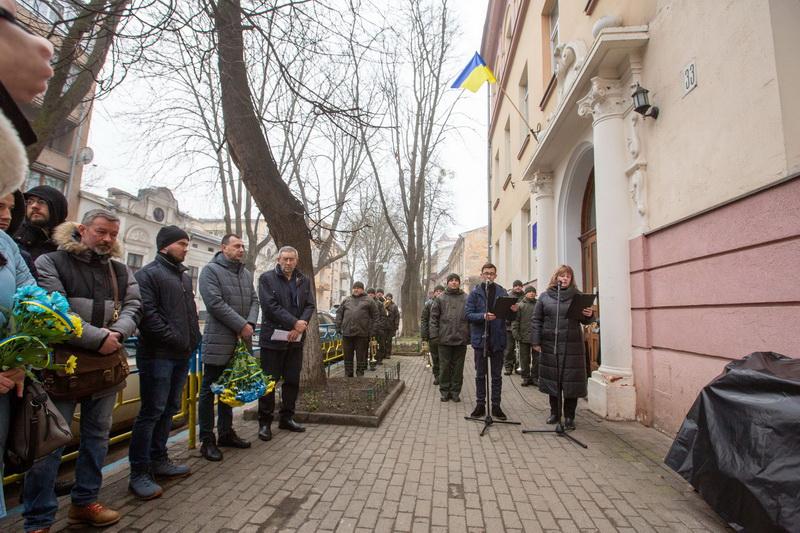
(35, 201)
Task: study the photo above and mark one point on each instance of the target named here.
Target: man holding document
(287, 305)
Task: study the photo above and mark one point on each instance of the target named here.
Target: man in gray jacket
(355, 321)
(449, 329)
(226, 287)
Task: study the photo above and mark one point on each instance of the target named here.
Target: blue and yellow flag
(473, 76)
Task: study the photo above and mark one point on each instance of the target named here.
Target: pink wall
(711, 289)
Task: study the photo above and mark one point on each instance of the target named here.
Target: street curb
(354, 420)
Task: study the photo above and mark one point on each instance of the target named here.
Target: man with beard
(510, 354)
(46, 208)
(168, 333)
(450, 330)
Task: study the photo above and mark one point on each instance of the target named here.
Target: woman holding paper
(568, 357)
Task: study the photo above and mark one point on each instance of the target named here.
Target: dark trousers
(387, 353)
(285, 365)
(160, 386)
(384, 348)
(451, 368)
(529, 361)
(496, 369)
(570, 405)
(510, 354)
(355, 348)
(205, 405)
(433, 346)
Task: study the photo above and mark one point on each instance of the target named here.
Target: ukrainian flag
(473, 76)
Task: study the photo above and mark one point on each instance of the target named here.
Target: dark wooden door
(590, 279)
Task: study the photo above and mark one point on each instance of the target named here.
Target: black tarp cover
(739, 446)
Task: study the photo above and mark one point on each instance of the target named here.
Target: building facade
(679, 221)
(467, 256)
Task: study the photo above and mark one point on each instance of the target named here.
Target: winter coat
(382, 326)
(13, 274)
(357, 316)
(522, 326)
(283, 302)
(37, 240)
(424, 320)
(169, 328)
(231, 301)
(448, 325)
(17, 218)
(474, 311)
(84, 278)
(519, 296)
(393, 319)
(571, 350)
(15, 134)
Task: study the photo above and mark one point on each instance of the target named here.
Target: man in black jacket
(510, 354)
(46, 208)
(168, 333)
(355, 321)
(287, 305)
(393, 324)
(425, 332)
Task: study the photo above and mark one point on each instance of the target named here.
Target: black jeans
(570, 405)
(496, 377)
(510, 354)
(355, 348)
(286, 365)
(205, 405)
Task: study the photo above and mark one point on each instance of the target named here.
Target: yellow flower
(270, 387)
(71, 365)
(77, 323)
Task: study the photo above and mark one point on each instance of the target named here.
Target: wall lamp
(641, 104)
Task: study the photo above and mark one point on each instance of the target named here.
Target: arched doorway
(590, 281)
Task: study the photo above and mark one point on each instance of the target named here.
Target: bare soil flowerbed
(347, 396)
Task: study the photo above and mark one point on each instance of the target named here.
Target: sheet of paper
(282, 335)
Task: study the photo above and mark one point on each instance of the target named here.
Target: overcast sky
(117, 164)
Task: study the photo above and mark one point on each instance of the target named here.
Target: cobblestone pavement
(426, 469)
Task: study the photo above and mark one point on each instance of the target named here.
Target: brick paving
(426, 469)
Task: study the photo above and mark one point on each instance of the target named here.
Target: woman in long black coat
(571, 350)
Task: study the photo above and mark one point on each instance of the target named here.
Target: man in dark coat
(521, 328)
(355, 321)
(450, 331)
(477, 311)
(393, 324)
(510, 353)
(168, 333)
(287, 306)
(382, 327)
(424, 331)
(46, 208)
(226, 287)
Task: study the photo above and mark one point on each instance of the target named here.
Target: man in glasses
(45, 208)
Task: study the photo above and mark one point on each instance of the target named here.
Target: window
(553, 36)
(36, 178)
(135, 261)
(194, 273)
(523, 104)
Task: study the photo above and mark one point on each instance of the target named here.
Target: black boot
(569, 423)
(479, 412)
(209, 450)
(552, 419)
(265, 432)
(291, 425)
(232, 440)
(498, 413)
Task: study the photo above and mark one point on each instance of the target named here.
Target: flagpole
(524, 120)
(489, 173)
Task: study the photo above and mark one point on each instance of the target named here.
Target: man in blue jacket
(287, 305)
(477, 312)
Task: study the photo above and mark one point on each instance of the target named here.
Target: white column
(517, 240)
(611, 387)
(543, 214)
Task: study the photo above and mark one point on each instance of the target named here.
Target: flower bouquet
(37, 320)
(243, 381)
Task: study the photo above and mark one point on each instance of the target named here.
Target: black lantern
(641, 103)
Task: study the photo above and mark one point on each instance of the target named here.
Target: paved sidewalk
(426, 469)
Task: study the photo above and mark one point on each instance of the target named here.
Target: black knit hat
(168, 235)
(517, 283)
(389, 296)
(438, 288)
(453, 276)
(370, 291)
(358, 285)
(530, 288)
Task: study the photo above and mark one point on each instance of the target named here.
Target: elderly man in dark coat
(232, 304)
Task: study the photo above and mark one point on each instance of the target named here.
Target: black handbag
(37, 428)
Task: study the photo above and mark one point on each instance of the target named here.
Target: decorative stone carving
(605, 99)
(138, 235)
(609, 21)
(542, 184)
(637, 174)
(569, 60)
(633, 143)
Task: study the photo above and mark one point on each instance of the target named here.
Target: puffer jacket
(571, 350)
(474, 311)
(84, 278)
(169, 327)
(231, 301)
(13, 274)
(424, 320)
(447, 323)
(393, 319)
(522, 326)
(357, 316)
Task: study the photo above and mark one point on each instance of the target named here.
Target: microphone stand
(559, 429)
(487, 420)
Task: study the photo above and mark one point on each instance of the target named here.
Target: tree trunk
(251, 153)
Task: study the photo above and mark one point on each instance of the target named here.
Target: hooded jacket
(283, 302)
(169, 327)
(447, 323)
(231, 301)
(83, 277)
(35, 239)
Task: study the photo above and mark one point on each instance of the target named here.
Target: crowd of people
(451, 320)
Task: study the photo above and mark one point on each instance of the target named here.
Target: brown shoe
(95, 514)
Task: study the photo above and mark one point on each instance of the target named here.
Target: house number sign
(689, 78)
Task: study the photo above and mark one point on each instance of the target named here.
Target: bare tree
(437, 217)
